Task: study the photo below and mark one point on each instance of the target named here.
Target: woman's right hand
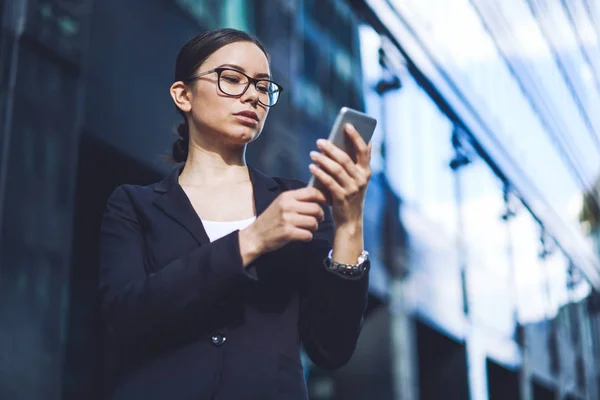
(293, 216)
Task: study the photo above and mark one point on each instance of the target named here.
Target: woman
(212, 279)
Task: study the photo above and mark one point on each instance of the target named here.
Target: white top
(218, 229)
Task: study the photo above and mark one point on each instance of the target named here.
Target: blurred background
(482, 216)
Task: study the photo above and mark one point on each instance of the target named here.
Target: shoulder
(130, 202)
(132, 192)
(128, 195)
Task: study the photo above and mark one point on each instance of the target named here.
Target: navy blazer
(187, 321)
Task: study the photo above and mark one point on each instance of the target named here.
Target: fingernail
(313, 154)
(321, 142)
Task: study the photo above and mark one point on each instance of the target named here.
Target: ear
(181, 96)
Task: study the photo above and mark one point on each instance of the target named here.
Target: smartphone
(364, 124)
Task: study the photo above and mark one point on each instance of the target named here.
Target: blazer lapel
(265, 190)
(175, 203)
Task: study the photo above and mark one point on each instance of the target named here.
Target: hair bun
(183, 132)
(181, 145)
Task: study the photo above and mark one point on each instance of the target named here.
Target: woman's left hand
(345, 179)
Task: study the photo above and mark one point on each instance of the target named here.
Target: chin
(243, 135)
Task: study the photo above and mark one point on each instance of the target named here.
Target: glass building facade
(491, 142)
(482, 215)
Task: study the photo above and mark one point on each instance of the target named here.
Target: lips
(248, 114)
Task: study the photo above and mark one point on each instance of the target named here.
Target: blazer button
(218, 339)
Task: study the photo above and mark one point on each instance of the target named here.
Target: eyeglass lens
(234, 83)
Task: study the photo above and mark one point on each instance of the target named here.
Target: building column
(41, 61)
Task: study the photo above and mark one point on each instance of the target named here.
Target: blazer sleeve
(138, 305)
(332, 306)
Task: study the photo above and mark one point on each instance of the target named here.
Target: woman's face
(213, 112)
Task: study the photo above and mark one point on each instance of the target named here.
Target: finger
(357, 140)
(362, 149)
(302, 235)
(306, 222)
(338, 155)
(299, 234)
(311, 209)
(331, 184)
(333, 168)
(308, 194)
(364, 159)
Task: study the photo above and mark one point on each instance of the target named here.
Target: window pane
(489, 275)
(530, 276)
(418, 150)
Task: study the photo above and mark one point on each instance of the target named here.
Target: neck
(212, 164)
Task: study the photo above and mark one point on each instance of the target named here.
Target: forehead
(245, 54)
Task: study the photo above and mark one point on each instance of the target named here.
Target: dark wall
(542, 391)
(442, 365)
(130, 70)
(503, 383)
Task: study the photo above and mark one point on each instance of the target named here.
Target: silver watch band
(354, 270)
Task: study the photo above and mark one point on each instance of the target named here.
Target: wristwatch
(354, 270)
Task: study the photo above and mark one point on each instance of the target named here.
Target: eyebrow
(235, 66)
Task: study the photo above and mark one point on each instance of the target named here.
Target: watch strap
(353, 270)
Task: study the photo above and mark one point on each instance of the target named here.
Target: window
(212, 14)
(530, 275)
(417, 154)
(416, 136)
(489, 272)
(503, 94)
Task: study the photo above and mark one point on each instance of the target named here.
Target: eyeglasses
(235, 83)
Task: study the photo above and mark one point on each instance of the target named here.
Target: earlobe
(180, 95)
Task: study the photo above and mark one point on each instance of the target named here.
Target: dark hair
(190, 57)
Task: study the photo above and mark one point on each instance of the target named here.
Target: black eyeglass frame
(251, 80)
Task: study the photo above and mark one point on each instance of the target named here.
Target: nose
(250, 95)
